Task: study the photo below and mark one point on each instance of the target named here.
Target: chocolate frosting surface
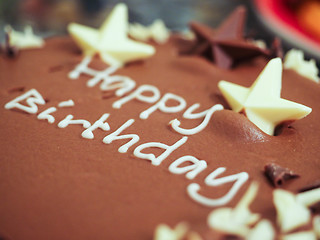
(54, 184)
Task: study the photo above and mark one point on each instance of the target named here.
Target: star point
(233, 26)
(110, 41)
(261, 102)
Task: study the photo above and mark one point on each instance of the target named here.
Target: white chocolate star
(164, 232)
(309, 198)
(259, 43)
(305, 235)
(262, 231)
(261, 102)
(111, 41)
(291, 214)
(236, 220)
(156, 31)
(294, 59)
(24, 40)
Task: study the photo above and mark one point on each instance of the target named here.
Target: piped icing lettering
(175, 124)
(157, 160)
(101, 76)
(82, 67)
(191, 170)
(142, 93)
(69, 120)
(68, 103)
(32, 98)
(115, 136)
(211, 180)
(161, 105)
(46, 114)
(138, 94)
(88, 133)
(122, 83)
(107, 82)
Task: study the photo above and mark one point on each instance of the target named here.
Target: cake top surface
(108, 152)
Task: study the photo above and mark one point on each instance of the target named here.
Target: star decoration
(157, 31)
(225, 46)
(23, 40)
(294, 60)
(111, 41)
(165, 232)
(261, 102)
(236, 221)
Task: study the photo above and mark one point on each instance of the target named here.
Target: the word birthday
(125, 85)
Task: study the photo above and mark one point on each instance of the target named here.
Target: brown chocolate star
(225, 46)
(278, 175)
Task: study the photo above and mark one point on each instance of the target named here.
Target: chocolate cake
(143, 143)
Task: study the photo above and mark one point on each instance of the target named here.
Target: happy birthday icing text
(147, 94)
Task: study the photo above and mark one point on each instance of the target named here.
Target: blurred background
(50, 17)
(45, 15)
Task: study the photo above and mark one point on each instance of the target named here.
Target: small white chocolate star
(156, 31)
(165, 232)
(23, 40)
(294, 59)
(111, 41)
(236, 221)
(291, 214)
(261, 102)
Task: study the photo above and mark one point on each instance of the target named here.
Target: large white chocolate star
(261, 102)
(111, 41)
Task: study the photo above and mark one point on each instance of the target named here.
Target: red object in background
(280, 16)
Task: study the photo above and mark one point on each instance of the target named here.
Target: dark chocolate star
(278, 175)
(225, 46)
(276, 48)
